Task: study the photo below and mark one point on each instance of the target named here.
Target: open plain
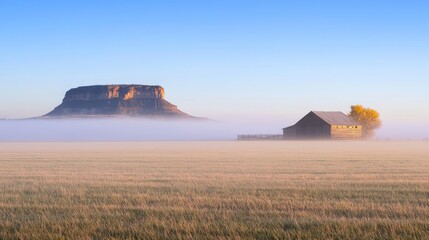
(214, 190)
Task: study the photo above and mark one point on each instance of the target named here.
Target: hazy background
(262, 64)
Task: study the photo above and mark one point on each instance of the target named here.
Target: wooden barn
(324, 125)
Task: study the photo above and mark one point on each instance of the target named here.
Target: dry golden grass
(215, 190)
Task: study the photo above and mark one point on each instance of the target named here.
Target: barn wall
(289, 132)
(313, 131)
(346, 132)
(311, 126)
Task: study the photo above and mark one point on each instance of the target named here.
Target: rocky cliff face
(105, 100)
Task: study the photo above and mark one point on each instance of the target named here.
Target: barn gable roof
(333, 118)
(336, 118)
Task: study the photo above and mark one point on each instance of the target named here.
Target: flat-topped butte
(116, 100)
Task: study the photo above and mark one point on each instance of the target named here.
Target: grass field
(215, 190)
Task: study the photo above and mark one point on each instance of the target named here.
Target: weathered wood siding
(346, 132)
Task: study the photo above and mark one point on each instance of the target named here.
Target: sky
(265, 62)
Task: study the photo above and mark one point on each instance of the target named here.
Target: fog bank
(139, 129)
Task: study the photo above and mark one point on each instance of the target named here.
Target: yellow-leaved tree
(369, 118)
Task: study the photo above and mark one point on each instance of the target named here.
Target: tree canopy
(369, 118)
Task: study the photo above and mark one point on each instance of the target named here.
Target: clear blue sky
(259, 60)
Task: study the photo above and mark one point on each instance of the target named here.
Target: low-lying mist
(143, 129)
(126, 129)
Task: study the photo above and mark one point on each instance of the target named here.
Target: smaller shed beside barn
(324, 125)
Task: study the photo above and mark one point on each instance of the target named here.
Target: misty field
(214, 190)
